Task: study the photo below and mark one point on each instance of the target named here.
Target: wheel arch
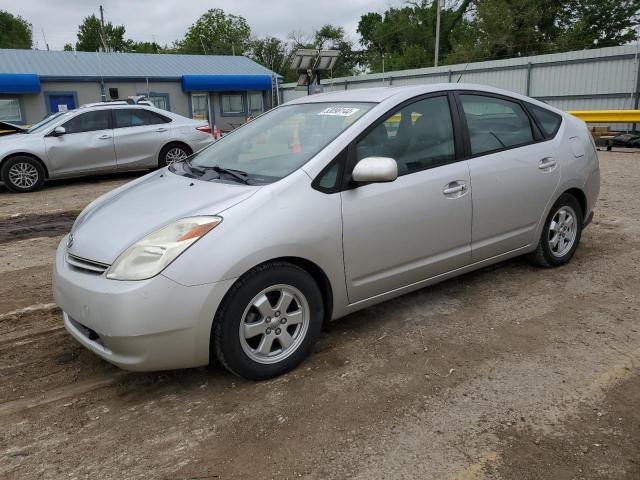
(580, 196)
(178, 143)
(26, 154)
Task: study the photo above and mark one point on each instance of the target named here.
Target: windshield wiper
(237, 174)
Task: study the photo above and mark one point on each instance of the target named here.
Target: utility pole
(435, 62)
(103, 35)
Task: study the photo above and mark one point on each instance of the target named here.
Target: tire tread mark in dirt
(30, 226)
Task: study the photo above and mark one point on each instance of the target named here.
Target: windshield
(280, 141)
(44, 123)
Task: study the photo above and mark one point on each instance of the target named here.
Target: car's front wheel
(561, 233)
(22, 174)
(268, 322)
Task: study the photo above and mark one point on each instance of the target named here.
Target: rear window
(137, 117)
(548, 122)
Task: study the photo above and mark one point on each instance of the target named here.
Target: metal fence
(599, 79)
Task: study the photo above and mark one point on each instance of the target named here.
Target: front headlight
(149, 256)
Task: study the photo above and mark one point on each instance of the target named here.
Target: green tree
(68, 47)
(274, 54)
(143, 47)
(405, 37)
(89, 36)
(16, 31)
(216, 33)
(331, 37)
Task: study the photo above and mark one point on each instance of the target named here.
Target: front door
(419, 226)
(139, 134)
(513, 176)
(87, 144)
(61, 102)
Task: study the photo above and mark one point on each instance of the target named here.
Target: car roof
(381, 94)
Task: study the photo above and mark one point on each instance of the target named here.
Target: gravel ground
(511, 372)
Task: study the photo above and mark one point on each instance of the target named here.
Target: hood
(114, 222)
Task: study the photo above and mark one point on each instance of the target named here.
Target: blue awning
(225, 83)
(19, 83)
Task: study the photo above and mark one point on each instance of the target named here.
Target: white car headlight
(149, 256)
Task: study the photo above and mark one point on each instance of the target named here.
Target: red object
(295, 146)
(204, 128)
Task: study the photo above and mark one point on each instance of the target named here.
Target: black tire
(544, 254)
(226, 343)
(33, 171)
(163, 158)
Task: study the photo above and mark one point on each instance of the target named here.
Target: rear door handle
(161, 129)
(547, 164)
(455, 189)
(106, 136)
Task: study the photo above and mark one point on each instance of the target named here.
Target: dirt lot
(511, 372)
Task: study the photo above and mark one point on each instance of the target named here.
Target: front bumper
(153, 324)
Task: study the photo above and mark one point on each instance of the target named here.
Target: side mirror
(58, 131)
(375, 169)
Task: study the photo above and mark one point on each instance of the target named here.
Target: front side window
(495, 124)
(136, 117)
(89, 122)
(10, 110)
(232, 104)
(200, 106)
(280, 141)
(418, 137)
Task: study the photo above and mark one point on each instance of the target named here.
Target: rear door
(139, 134)
(418, 226)
(86, 146)
(514, 173)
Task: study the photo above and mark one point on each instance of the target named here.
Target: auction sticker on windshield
(339, 111)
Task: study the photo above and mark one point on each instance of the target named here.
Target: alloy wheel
(274, 324)
(563, 231)
(23, 175)
(175, 154)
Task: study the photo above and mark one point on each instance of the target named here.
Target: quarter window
(549, 122)
(495, 124)
(418, 137)
(89, 122)
(10, 110)
(125, 117)
(232, 104)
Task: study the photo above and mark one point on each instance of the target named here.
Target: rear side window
(136, 117)
(88, 122)
(495, 123)
(548, 121)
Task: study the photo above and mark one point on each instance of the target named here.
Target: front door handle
(455, 189)
(161, 129)
(547, 164)
(106, 136)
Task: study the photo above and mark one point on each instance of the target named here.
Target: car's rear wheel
(268, 322)
(22, 174)
(561, 233)
(174, 152)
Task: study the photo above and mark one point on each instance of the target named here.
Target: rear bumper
(154, 324)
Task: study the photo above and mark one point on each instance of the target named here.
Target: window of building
(200, 106)
(158, 100)
(89, 122)
(256, 106)
(232, 104)
(418, 137)
(10, 110)
(495, 124)
(136, 117)
(548, 121)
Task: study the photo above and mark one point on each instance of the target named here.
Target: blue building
(225, 89)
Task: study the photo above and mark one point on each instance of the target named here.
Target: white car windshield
(45, 122)
(280, 141)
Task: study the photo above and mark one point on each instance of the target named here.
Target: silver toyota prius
(318, 208)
